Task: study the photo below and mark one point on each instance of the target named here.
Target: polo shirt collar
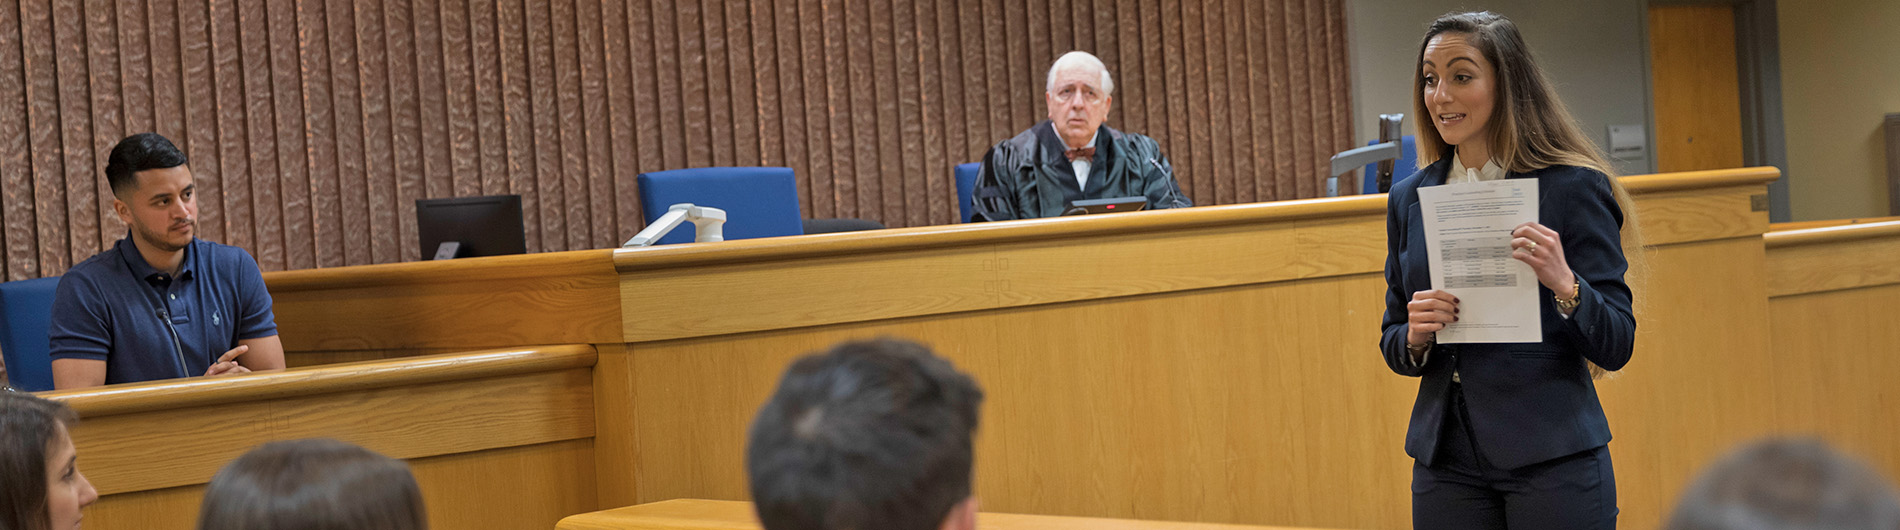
(135, 261)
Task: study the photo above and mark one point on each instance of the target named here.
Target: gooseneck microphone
(178, 348)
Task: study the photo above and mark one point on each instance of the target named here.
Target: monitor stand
(448, 250)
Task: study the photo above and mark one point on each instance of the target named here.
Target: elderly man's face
(1077, 103)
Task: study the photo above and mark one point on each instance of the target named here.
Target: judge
(1073, 156)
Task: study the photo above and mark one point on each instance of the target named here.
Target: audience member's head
(40, 484)
(869, 435)
(313, 485)
(1788, 484)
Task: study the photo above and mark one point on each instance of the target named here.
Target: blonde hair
(1531, 129)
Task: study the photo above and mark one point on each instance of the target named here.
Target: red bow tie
(1085, 153)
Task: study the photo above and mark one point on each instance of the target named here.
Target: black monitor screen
(483, 226)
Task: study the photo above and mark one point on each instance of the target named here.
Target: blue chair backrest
(27, 306)
(759, 201)
(966, 187)
(1405, 166)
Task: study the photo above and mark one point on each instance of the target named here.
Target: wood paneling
(1180, 365)
(544, 483)
(1844, 360)
(1012, 264)
(559, 297)
(1189, 382)
(1269, 391)
(616, 446)
(1774, 228)
(1835, 291)
(698, 514)
(531, 486)
(1697, 92)
(1693, 390)
(314, 126)
(468, 422)
(300, 359)
(131, 432)
(1850, 256)
(162, 509)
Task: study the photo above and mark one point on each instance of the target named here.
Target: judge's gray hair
(1085, 59)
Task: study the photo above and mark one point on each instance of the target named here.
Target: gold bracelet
(1576, 297)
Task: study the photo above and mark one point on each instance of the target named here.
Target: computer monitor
(466, 227)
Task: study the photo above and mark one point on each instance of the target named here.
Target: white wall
(1594, 50)
(1840, 75)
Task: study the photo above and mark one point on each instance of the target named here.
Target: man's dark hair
(139, 152)
(313, 484)
(871, 434)
(1788, 484)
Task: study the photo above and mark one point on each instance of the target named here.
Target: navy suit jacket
(1528, 402)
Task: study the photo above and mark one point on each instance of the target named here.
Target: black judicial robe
(1029, 176)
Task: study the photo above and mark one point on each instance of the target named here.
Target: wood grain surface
(467, 422)
(697, 514)
(1216, 364)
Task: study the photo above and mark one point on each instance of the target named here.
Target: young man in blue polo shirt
(161, 303)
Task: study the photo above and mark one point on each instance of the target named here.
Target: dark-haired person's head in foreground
(869, 435)
(315, 484)
(1788, 484)
(40, 484)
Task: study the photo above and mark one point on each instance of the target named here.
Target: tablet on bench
(1109, 205)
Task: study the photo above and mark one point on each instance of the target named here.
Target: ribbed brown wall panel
(107, 109)
(314, 125)
(16, 172)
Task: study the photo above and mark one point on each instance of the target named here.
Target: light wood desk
(1835, 296)
(1213, 364)
(1826, 223)
(696, 514)
(496, 439)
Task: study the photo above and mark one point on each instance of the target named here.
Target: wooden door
(1697, 91)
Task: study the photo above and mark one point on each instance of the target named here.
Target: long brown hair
(314, 484)
(1530, 127)
(28, 427)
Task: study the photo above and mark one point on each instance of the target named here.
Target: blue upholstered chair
(1405, 166)
(759, 201)
(966, 187)
(28, 309)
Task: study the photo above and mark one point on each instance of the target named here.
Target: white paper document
(1468, 231)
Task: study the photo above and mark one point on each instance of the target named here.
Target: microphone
(178, 349)
(1173, 191)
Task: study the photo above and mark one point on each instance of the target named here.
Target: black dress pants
(1464, 492)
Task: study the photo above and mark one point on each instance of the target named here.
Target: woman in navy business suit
(1509, 435)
